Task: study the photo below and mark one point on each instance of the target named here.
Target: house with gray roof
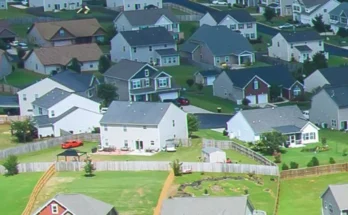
(76, 204)
(297, 46)
(280, 7)
(238, 20)
(249, 125)
(136, 20)
(150, 45)
(133, 5)
(218, 45)
(334, 200)
(237, 205)
(338, 17)
(206, 77)
(136, 81)
(329, 107)
(142, 125)
(60, 111)
(304, 11)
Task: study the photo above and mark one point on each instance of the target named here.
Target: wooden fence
(181, 8)
(276, 205)
(8, 119)
(189, 18)
(38, 187)
(164, 193)
(239, 148)
(312, 171)
(44, 144)
(5, 88)
(30, 167)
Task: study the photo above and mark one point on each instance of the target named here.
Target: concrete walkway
(194, 109)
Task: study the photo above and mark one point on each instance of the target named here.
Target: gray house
(329, 107)
(136, 20)
(206, 77)
(334, 200)
(137, 81)
(151, 45)
(338, 17)
(3, 4)
(239, 205)
(5, 65)
(218, 45)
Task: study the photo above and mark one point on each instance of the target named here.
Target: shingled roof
(340, 194)
(148, 36)
(147, 17)
(336, 76)
(239, 15)
(339, 94)
(79, 82)
(301, 36)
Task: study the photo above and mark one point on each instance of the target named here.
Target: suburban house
(237, 20)
(54, 5)
(338, 17)
(59, 112)
(299, 46)
(218, 45)
(142, 125)
(334, 200)
(3, 4)
(249, 125)
(333, 76)
(83, 84)
(152, 45)
(47, 59)
(76, 204)
(236, 205)
(329, 107)
(137, 20)
(206, 77)
(6, 34)
(137, 81)
(255, 84)
(128, 5)
(280, 7)
(304, 11)
(5, 64)
(62, 33)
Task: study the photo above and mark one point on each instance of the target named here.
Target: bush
(323, 141)
(315, 161)
(285, 166)
(225, 133)
(332, 160)
(277, 159)
(345, 152)
(293, 165)
(205, 191)
(310, 163)
(89, 168)
(11, 165)
(245, 102)
(176, 166)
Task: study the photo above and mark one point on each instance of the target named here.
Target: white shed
(213, 155)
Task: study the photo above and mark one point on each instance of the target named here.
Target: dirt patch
(172, 191)
(216, 188)
(140, 191)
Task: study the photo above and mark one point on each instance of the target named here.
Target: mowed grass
(183, 153)
(302, 196)
(22, 78)
(188, 28)
(335, 61)
(12, 12)
(6, 140)
(261, 196)
(15, 192)
(132, 193)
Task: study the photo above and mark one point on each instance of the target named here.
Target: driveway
(213, 120)
(194, 109)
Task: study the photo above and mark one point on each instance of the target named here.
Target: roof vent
(259, 120)
(134, 111)
(253, 121)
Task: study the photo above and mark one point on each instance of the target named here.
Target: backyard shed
(213, 155)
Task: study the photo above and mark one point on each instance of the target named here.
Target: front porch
(245, 58)
(294, 140)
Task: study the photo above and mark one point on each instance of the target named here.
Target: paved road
(212, 120)
(193, 109)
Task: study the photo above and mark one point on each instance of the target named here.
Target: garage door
(171, 95)
(252, 99)
(62, 43)
(262, 99)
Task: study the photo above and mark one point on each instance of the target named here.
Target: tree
(275, 91)
(332, 160)
(319, 24)
(293, 165)
(89, 168)
(319, 61)
(3, 45)
(110, 33)
(104, 64)
(245, 102)
(75, 65)
(342, 32)
(108, 93)
(11, 165)
(192, 123)
(190, 82)
(271, 142)
(269, 14)
(199, 87)
(176, 166)
(24, 131)
(285, 166)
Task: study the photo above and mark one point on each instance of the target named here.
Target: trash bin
(218, 109)
(94, 150)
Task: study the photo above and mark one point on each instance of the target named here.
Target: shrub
(176, 166)
(245, 102)
(332, 160)
(11, 165)
(277, 158)
(293, 165)
(310, 163)
(315, 161)
(190, 82)
(345, 152)
(205, 191)
(89, 168)
(225, 133)
(285, 166)
(323, 141)
(246, 191)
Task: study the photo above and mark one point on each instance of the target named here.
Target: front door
(57, 6)
(344, 125)
(139, 145)
(292, 139)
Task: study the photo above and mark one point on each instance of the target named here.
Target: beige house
(46, 60)
(62, 33)
(299, 46)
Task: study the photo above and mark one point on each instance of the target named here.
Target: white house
(299, 46)
(128, 5)
(84, 84)
(338, 17)
(51, 5)
(213, 155)
(142, 125)
(61, 111)
(249, 125)
(304, 11)
(48, 59)
(3, 4)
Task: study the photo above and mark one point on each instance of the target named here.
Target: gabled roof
(336, 76)
(5, 32)
(45, 121)
(77, 27)
(220, 40)
(239, 15)
(273, 75)
(312, 3)
(339, 94)
(207, 73)
(147, 17)
(205, 206)
(340, 194)
(135, 113)
(148, 36)
(51, 98)
(300, 36)
(79, 82)
(209, 150)
(343, 7)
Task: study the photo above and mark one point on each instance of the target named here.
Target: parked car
(150, 6)
(286, 25)
(220, 2)
(103, 110)
(23, 46)
(72, 144)
(174, 101)
(183, 101)
(301, 25)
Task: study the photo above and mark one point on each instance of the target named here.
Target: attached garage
(252, 99)
(262, 99)
(213, 155)
(169, 95)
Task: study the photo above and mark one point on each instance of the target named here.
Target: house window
(217, 59)
(48, 5)
(164, 60)
(124, 48)
(325, 10)
(305, 136)
(247, 36)
(152, 143)
(240, 26)
(61, 33)
(252, 36)
(150, 48)
(105, 128)
(52, 113)
(227, 59)
(144, 127)
(344, 20)
(54, 208)
(106, 142)
(40, 111)
(124, 128)
(146, 73)
(256, 84)
(65, 5)
(147, 82)
(78, 4)
(320, 43)
(169, 60)
(333, 123)
(90, 65)
(330, 208)
(36, 67)
(325, 204)
(162, 82)
(174, 59)
(233, 27)
(135, 49)
(24, 97)
(151, 60)
(136, 84)
(249, 25)
(291, 45)
(173, 123)
(312, 135)
(278, 44)
(126, 143)
(297, 91)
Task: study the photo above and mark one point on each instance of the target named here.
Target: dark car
(174, 101)
(183, 101)
(150, 6)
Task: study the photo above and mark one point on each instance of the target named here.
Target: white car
(220, 2)
(14, 43)
(286, 25)
(170, 149)
(103, 110)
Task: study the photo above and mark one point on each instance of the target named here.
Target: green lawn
(188, 28)
(6, 140)
(263, 46)
(336, 40)
(337, 61)
(279, 20)
(302, 105)
(133, 193)
(22, 78)
(262, 195)
(12, 12)
(20, 29)
(71, 14)
(302, 196)
(183, 153)
(15, 191)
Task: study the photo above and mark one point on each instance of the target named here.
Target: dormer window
(146, 73)
(256, 84)
(54, 208)
(52, 113)
(61, 32)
